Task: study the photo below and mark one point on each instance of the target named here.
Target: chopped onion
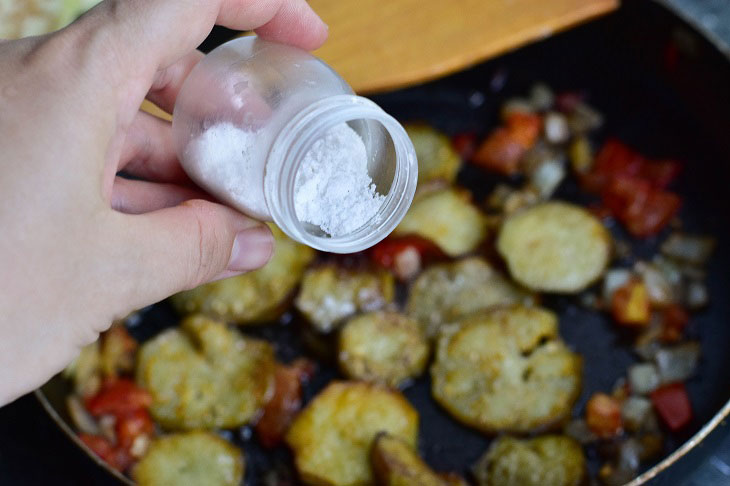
(643, 378)
(556, 127)
(647, 343)
(628, 455)
(691, 248)
(407, 263)
(80, 417)
(584, 118)
(578, 429)
(661, 291)
(542, 97)
(547, 177)
(678, 362)
(634, 412)
(696, 295)
(613, 280)
(499, 196)
(106, 427)
(672, 272)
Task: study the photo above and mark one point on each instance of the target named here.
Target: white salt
(332, 189)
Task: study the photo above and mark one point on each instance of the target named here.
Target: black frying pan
(664, 89)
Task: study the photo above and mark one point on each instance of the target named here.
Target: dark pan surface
(662, 89)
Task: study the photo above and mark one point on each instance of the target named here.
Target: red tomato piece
(672, 404)
(117, 457)
(630, 304)
(660, 173)
(500, 152)
(675, 319)
(405, 255)
(603, 415)
(524, 127)
(133, 425)
(118, 397)
(465, 144)
(279, 412)
(642, 209)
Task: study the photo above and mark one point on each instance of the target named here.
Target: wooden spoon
(379, 45)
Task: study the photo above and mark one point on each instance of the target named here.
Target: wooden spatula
(378, 45)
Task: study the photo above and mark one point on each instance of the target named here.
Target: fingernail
(252, 248)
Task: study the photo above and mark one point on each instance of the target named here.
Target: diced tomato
(630, 304)
(117, 457)
(524, 127)
(405, 255)
(500, 152)
(284, 405)
(615, 159)
(603, 415)
(566, 102)
(465, 144)
(675, 319)
(504, 147)
(642, 209)
(133, 425)
(118, 397)
(672, 404)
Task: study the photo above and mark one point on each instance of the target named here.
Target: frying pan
(665, 89)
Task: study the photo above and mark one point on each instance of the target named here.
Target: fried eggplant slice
(205, 375)
(437, 159)
(506, 370)
(330, 294)
(448, 218)
(382, 347)
(553, 459)
(190, 459)
(446, 292)
(256, 296)
(332, 437)
(396, 463)
(555, 247)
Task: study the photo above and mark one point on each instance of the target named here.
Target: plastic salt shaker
(274, 132)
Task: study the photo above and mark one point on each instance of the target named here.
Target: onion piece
(578, 429)
(678, 362)
(635, 411)
(80, 417)
(661, 291)
(614, 279)
(556, 128)
(584, 118)
(689, 248)
(628, 455)
(542, 97)
(696, 295)
(643, 378)
(547, 177)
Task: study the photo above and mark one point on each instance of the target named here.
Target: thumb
(198, 241)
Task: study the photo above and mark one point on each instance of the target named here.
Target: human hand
(80, 246)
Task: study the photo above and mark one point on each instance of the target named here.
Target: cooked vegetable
(280, 410)
(117, 457)
(660, 290)
(447, 218)
(603, 415)
(382, 347)
(504, 147)
(630, 304)
(643, 378)
(332, 437)
(690, 248)
(581, 154)
(205, 375)
(118, 397)
(256, 296)
(672, 404)
(506, 369)
(85, 370)
(330, 294)
(396, 463)
(556, 127)
(679, 362)
(554, 247)
(553, 460)
(190, 459)
(674, 320)
(436, 157)
(447, 291)
(634, 412)
(641, 208)
(405, 255)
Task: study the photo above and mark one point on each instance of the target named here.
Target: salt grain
(332, 189)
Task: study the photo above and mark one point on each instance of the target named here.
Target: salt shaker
(251, 115)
